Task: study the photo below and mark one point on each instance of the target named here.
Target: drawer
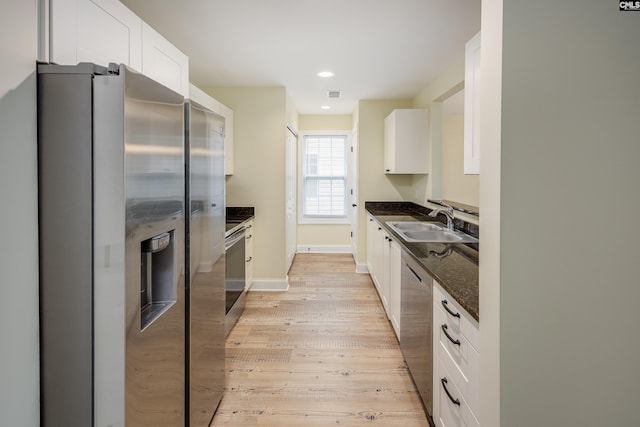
(456, 316)
(450, 337)
(449, 404)
(465, 380)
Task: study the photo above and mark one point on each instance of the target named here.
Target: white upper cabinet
(164, 62)
(104, 31)
(472, 106)
(100, 31)
(406, 136)
(201, 97)
(198, 95)
(227, 113)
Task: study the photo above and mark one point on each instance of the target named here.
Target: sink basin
(419, 231)
(415, 226)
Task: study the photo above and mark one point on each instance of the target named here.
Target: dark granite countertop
(453, 265)
(236, 216)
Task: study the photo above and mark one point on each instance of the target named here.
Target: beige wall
(456, 186)
(450, 81)
(260, 119)
(310, 235)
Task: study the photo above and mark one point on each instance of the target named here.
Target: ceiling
(378, 49)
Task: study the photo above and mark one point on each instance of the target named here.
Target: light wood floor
(321, 354)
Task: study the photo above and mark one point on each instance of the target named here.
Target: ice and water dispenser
(157, 277)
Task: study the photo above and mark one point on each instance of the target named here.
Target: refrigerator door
(205, 291)
(154, 237)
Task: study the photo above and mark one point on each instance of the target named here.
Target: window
(323, 179)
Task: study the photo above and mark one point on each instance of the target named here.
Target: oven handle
(234, 238)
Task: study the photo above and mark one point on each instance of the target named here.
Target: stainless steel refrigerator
(112, 239)
(206, 261)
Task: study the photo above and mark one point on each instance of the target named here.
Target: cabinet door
(99, 31)
(164, 62)
(370, 244)
(248, 252)
(472, 106)
(227, 113)
(384, 266)
(395, 266)
(406, 141)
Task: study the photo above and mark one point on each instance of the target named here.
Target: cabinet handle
(379, 228)
(444, 385)
(444, 329)
(354, 205)
(446, 307)
(249, 236)
(249, 259)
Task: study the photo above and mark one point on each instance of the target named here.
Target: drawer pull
(444, 385)
(444, 329)
(446, 307)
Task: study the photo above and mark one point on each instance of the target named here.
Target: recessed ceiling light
(326, 74)
(326, 107)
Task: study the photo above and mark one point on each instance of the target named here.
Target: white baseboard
(270, 285)
(324, 249)
(361, 267)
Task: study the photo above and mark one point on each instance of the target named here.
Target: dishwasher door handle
(418, 278)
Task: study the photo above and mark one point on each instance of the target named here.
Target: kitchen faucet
(448, 212)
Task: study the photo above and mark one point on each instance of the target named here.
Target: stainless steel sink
(402, 226)
(419, 231)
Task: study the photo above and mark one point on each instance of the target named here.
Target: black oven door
(235, 268)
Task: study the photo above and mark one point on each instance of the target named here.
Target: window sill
(324, 221)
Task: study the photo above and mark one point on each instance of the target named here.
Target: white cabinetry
(227, 113)
(164, 62)
(384, 263)
(216, 106)
(248, 252)
(201, 97)
(406, 141)
(472, 106)
(456, 363)
(100, 31)
(395, 266)
(104, 31)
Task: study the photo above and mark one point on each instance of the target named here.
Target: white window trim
(321, 220)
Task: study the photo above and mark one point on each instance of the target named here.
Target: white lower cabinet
(248, 253)
(456, 363)
(384, 263)
(395, 266)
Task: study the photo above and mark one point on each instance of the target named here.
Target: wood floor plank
(322, 353)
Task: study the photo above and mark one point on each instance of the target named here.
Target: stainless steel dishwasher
(416, 318)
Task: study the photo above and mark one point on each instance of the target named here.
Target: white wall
(19, 351)
(568, 253)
